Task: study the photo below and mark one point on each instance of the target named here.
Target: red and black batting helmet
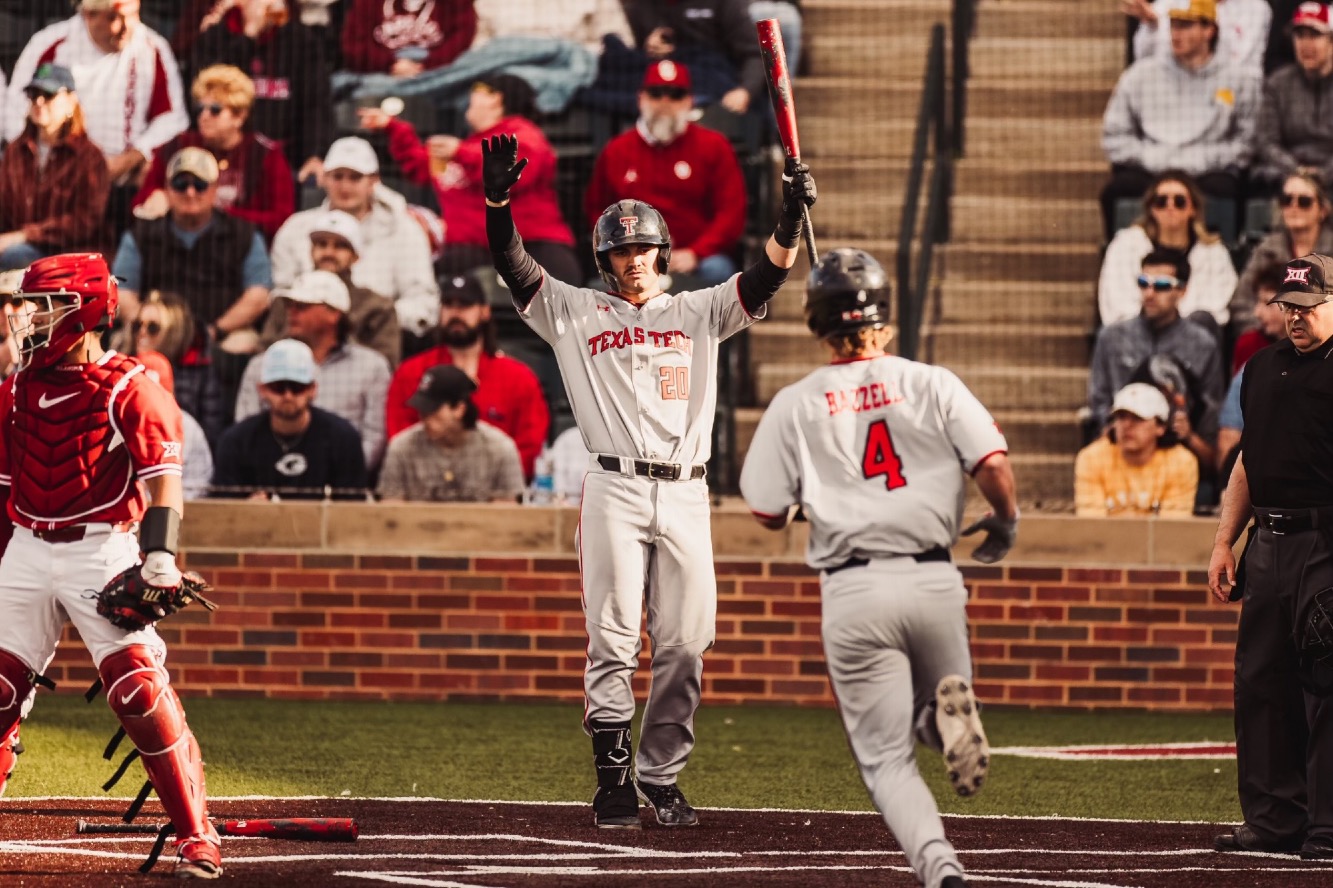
(61, 298)
(629, 222)
(847, 291)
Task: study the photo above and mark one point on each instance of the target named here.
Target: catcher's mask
(1316, 643)
(61, 298)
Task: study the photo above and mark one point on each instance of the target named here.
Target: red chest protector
(69, 460)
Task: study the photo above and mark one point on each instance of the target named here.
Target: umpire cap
(1308, 281)
(847, 291)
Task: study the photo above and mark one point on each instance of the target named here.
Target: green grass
(746, 757)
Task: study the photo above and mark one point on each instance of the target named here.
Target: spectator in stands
(1242, 29)
(196, 458)
(448, 456)
(292, 450)
(402, 40)
(1303, 229)
(569, 463)
(1172, 218)
(165, 326)
(508, 395)
(714, 38)
(788, 14)
(53, 179)
(255, 182)
(1159, 329)
(1295, 126)
(688, 172)
(335, 245)
(291, 74)
(1188, 110)
(128, 84)
(396, 259)
(353, 380)
(197, 16)
(215, 261)
(1271, 326)
(499, 103)
(1136, 469)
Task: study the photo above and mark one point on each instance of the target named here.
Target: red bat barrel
(304, 829)
(779, 82)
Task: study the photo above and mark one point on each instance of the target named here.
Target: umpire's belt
(658, 471)
(76, 532)
(1285, 521)
(939, 553)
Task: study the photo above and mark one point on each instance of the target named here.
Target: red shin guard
(15, 686)
(138, 690)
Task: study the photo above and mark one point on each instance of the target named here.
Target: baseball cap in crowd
(288, 360)
(352, 153)
(50, 79)
(1313, 16)
(340, 224)
(516, 93)
(462, 289)
(667, 74)
(1142, 400)
(1195, 10)
(1308, 281)
(197, 162)
(320, 288)
(440, 385)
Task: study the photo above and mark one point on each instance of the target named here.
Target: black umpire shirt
(1287, 402)
(250, 456)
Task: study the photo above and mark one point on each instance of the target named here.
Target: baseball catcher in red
(87, 440)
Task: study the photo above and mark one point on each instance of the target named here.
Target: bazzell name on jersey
(865, 397)
(610, 339)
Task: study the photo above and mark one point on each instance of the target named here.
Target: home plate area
(451, 844)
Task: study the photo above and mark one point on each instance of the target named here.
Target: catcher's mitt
(131, 603)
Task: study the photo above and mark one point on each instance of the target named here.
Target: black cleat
(616, 807)
(1243, 838)
(668, 803)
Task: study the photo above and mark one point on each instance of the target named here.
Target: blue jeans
(789, 23)
(21, 256)
(715, 269)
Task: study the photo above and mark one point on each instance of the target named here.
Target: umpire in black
(1283, 480)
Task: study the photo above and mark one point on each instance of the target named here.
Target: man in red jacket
(508, 394)
(689, 173)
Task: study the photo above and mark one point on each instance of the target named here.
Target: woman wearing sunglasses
(1172, 219)
(1302, 229)
(255, 180)
(53, 179)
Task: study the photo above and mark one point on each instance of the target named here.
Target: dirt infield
(529, 845)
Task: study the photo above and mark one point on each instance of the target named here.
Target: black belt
(1284, 521)
(939, 553)
(658, 471)
(73, 533)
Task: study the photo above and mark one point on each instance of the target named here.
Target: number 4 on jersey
(880, 458)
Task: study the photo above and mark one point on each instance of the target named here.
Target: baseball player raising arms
(873, 448)
(640, 368)
(83, 432)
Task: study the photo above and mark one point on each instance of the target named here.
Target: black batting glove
(500, 166)
(798, 190)
(1000, 536)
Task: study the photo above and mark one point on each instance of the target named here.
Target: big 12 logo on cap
(1297, 275)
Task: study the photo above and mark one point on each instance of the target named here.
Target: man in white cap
(292, 450)
(128, 83)
(395, 261)
(336, 244)
(1128, 472)
(353, 380)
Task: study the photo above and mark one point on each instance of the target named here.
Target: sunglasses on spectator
(1158, 284)
(184, 182)
(1288, 309)
(152, 328)
(287, 387)
(1162, 201)
(666, 92)
(214, 108)
(1304, 201)
(34, 94)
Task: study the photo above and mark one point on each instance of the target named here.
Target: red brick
(268, 599)
(789, 569)
(812, 689)
(769, 588)
(476, 583)
(318, 639)
(1061, 633)
(269, 560)
(1018, 671)
(1181, 596)
(213, 637)
(1036, 574)
(505, 681)
(472, 621)
(530, 662)
(249, 618)
(355, 619)
(271, 676)
(1195, 655)
(984, 611)
(768, 667)
(327, 599)
(1120, 633)
(1152, 614)
(1125, 594)
(445, 602)
(790, 648)
(437, 563)
(386, 562)
(747, 607)
(1095, 653)
(303, 580)
(1002, 630)
(555, 565)
(767, 627)
(1036, 693)
(1096, 575)
(503, 565)
(571, 683)
(796, 609)
(299, 658)
(1064, 593)
(420, 662)
(416, 581)
(392, 640)
(1179, 675)
(1029, 613)
(1176, 635)
(299, 618)
(527, 583)
(1002, 593)
(1156, 577)
(447, 680)
(1036, 652)
(1051, 672)
(1096, 694)
(378, 679)
(385, 600)
(360, 581)
(531, 622)
(414, 620)
(198, 675)
(326, 561)
(1154, 695)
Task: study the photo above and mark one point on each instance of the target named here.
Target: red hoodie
(374, 30)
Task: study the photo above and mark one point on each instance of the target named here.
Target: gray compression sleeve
(520, 271)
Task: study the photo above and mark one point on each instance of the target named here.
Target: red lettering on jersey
(616, 339)
(656, 338)
(639, 338)
(862, 398)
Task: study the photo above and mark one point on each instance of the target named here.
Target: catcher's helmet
(847, 291)
(67, 295)
(629, 222)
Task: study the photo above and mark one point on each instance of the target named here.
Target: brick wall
(328, 620)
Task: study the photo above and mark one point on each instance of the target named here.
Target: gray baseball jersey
(642, 381)
(875, 451)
